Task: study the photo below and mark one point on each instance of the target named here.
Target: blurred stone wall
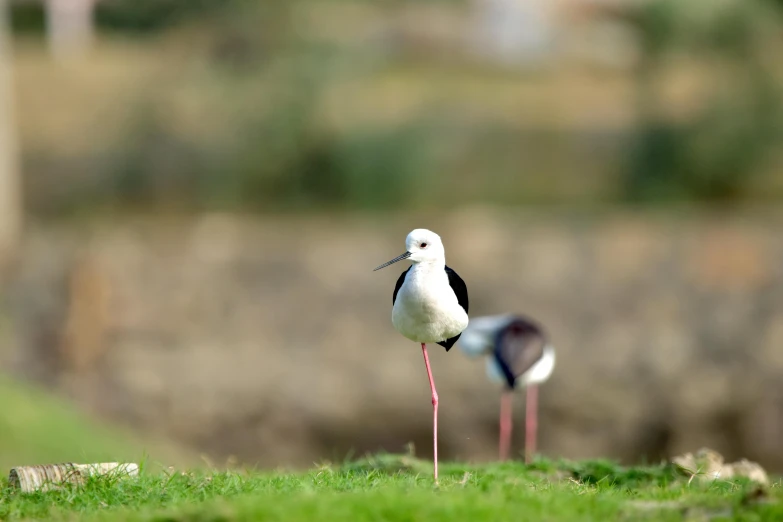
(270, 339)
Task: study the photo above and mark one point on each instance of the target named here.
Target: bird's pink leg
(505, 423)
(434, 410)
(531, 422)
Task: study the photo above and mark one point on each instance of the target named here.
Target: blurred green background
(358, 105)
(195, 173)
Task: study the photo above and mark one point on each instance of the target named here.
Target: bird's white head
(425, 245)
(422, 246)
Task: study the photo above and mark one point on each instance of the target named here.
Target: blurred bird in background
(518, 355)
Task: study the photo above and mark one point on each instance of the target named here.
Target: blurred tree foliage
(130, 16)
(277, 160)
(27, 17)
(260, 83)
(153, 15)
(277, 151)
(711, 155)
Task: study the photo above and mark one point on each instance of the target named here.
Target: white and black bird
(430, 304)
(518, 355)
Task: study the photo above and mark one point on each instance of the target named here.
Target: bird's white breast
(426, 309)
(541, 371)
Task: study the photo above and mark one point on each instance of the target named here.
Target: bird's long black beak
(406, 255)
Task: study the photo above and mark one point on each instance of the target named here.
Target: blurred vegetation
(153, 15)
(36, 428)
(712, 154)
(271, 136)
(128, 16)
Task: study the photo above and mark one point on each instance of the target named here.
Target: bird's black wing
(518, 347)
(397, 287)
(461, 291)
(459, 287)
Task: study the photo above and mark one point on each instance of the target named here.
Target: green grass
(37, 428)
(400, 488)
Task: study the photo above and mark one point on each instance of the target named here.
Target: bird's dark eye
(424, 245)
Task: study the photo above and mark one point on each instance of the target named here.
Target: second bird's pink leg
(434, 410)
(531, 422)
(505, 424)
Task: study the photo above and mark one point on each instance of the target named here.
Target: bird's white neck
(428, 278)
(428, 266)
